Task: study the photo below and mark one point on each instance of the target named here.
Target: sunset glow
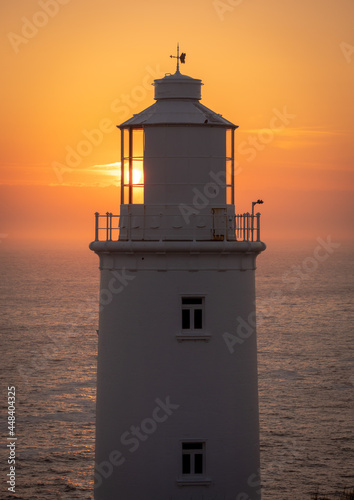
(282, 71)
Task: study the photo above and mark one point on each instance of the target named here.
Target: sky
(283, 71)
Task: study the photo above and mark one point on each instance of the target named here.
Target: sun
(137, 176)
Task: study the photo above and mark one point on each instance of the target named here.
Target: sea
(48, 345)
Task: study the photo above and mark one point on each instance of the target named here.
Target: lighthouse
(177, 399)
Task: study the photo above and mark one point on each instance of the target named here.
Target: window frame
(193, 333)
(192, 308)
(192, 478)
(192, 452)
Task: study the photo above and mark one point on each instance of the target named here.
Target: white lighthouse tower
(177, 402)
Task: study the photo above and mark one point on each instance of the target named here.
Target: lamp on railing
(258, 202)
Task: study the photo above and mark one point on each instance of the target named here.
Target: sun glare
(137, 176)
(138, 172)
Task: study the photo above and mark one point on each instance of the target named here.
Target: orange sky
(281, 70)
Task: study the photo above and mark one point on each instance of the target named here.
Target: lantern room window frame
(230, 157)
(128, 189)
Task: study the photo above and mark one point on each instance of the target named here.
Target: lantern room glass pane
(126, 172)
(230, 175)
(138, 142)
(229, 143)
(126, 194)
(229, 198)
(228, 171)
(126, 142)
(133, 166)
(138, 195)
(138, 172)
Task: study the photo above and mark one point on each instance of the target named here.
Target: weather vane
(179, 58)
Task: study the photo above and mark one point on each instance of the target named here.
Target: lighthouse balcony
(141, 224)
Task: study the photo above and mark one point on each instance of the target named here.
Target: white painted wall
(179, 159)
(140, 360)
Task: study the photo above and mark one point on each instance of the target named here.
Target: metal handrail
(245, 227)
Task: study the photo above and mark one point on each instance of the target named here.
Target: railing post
(258, 226)
(110, 226)
(107, 226)
(245, 226)
(248, 226)
(97, 215)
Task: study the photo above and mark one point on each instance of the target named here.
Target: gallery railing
(213, 227)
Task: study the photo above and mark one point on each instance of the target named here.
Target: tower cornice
(178, 256)
(159, 247)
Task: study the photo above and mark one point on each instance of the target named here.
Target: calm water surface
(48, 344)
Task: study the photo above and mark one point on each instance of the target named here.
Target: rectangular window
(193, 458)
(193, 313)
(230, 175)
(132, 165)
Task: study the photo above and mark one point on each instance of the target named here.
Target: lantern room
(177, 172)
(177, 148)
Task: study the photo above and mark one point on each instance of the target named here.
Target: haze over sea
(306, 369)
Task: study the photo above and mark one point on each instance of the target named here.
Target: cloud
(99, 175)
(297, 137)
(301, 137)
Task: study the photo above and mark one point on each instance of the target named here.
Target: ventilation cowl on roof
(177, 86)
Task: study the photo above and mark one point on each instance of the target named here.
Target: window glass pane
(138, 195)
(192, 446)
(198, 319)
(229, 195)
(192, 300)
(138, 142)
(126, 171)
(228, 172)
(229, 133)
(198, 463)
(126, 142)
(138, 172)
(186, 322)
(126, 195)
(186, 464)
